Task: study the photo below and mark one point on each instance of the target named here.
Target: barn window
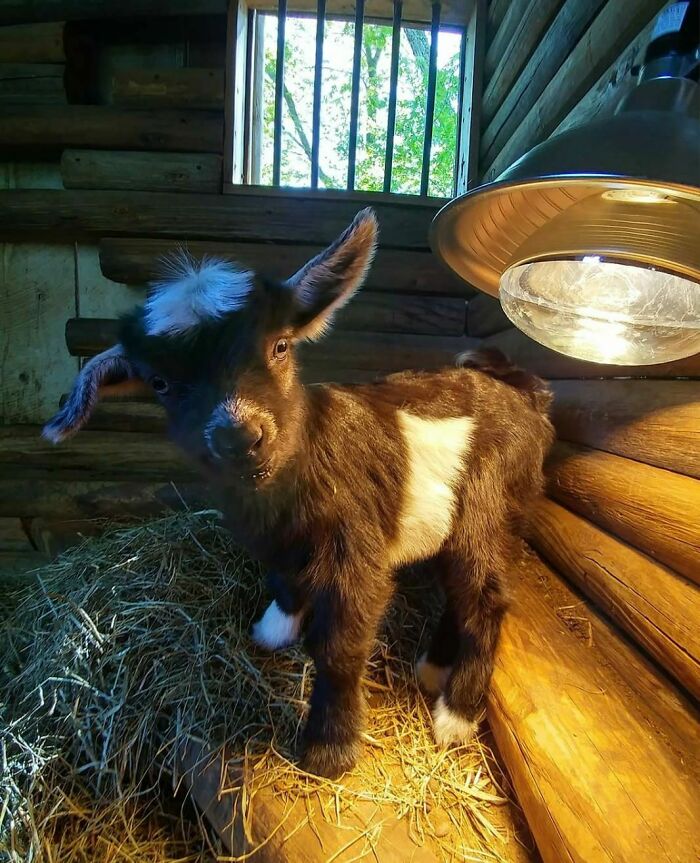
(337, 95)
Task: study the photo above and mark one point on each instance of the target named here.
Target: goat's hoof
(329, 760)
(275, 629)
(450, 727)
(432, 678)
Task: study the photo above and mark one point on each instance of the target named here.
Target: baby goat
(333, 488)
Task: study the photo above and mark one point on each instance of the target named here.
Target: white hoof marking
(433, 678)
(275, 629)
(449, 727)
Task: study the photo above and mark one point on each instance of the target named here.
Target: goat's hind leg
(476, 597)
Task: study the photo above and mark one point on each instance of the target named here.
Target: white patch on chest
(193, 291)
(436, 450)
(275, 629)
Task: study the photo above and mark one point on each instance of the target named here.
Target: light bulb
(603, 311)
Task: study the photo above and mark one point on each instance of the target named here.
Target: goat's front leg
(280, 625)
(341, 633)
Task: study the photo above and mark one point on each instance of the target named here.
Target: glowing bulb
(604, 312)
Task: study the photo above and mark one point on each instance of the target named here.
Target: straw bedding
(137, 641)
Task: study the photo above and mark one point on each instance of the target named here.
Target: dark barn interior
(127, 129)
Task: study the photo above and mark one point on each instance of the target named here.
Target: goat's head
(217, 346)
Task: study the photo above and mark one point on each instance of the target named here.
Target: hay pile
(137, 641)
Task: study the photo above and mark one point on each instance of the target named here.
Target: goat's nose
(231, 441)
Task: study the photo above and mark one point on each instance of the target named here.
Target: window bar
(318, 74)
(460, 103)
(279, 93)
(430, 105)
(248, 105)
(355, 97)
(393, 86)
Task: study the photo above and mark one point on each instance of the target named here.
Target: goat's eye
(279, 352)
(160, 385)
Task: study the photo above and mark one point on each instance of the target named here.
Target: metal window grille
(254, 73)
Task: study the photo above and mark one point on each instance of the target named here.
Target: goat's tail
(492, 362)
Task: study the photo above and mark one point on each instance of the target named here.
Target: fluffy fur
(275, 629)
(333, 487)
(433, 678)
(192, 292)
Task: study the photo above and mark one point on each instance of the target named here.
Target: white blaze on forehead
(194, 291)
(435, 449)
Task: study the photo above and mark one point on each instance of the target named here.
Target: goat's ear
(329, 280)
(110, 369)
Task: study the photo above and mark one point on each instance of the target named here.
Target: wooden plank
(130, 170)
(169, 88)
(526, 352)
(243, 217)
(31, 83)
(118, 415)
(52, 498)
(594, 737)
(50, 127)
(605, 39)
(655, 422)
(617, 81)
(136, 261)
(659, 609)
(37, 292)
(654, 510)
(19, 11)
(496, 12)
(385, 352)
(469, 133)
(91, 456)
(32, 43)
(485, 316)
(509, 98)
(453, 12)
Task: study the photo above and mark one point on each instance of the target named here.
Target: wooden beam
(526, 352)
(51, 498)
(655, 422)
(617, 81)
(496, 12)
(130, 170)
(136, 261)
(656, 607)
(601, 748)
(119, 415)
(467, 169)
(243, 217)
(605, 39)
(510, 95)
(453, 12)
(50, 128)
(32, 43)
(32, 83)
(654, 510)
(20, 11)
(485, 316)
(169, 88)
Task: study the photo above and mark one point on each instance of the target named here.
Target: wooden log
(654, 510)
(137, 261)
(31, 83)
(131, 170)
(32, 43)
(241, 216)
(655, 422)
(617, 81)
(19, 11)
(508, 106)
(91, 456)
(529, 354)
(121, 415)
(617, 23)
(51, 498)
(47, 128)
(525, 25)
(496, 11)
(659, 609)
(601, 748)
(169, 88)
(485, 316)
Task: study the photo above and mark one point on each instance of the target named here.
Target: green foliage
(374, 104)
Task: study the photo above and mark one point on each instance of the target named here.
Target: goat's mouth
(260, 473)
